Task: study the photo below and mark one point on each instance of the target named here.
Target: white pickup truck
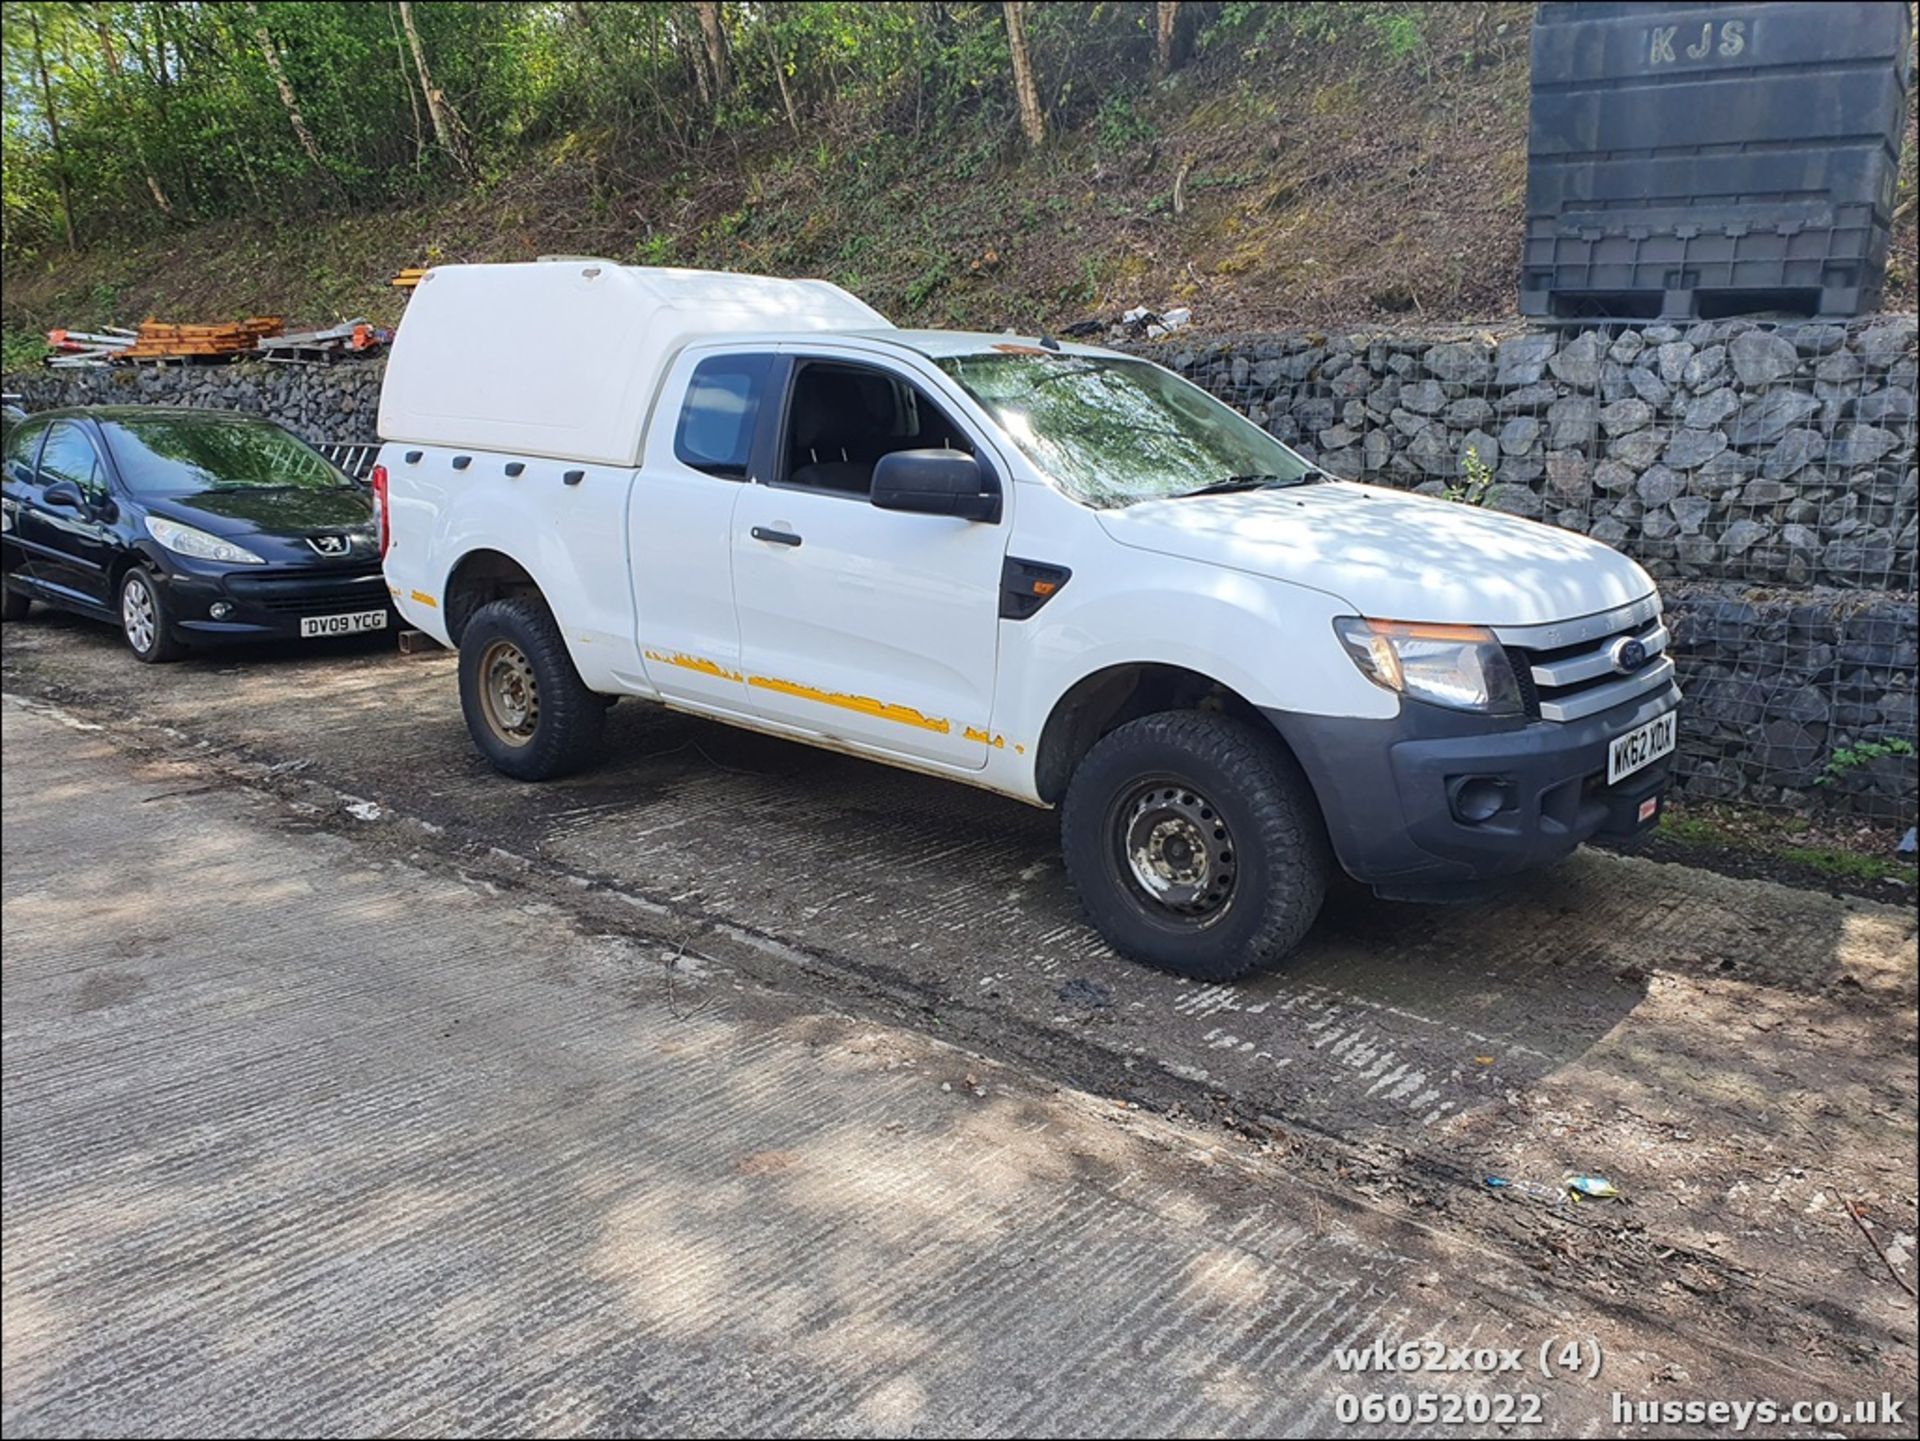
(1061, 573)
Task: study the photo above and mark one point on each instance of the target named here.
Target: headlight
(185, 540)
(1460, 666)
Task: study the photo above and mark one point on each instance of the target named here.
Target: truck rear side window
(717, 420)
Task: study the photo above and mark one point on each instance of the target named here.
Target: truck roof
(563, 358)
(937, 344)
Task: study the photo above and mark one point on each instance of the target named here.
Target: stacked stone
(316, 402)
(1779, 684)
(1725, 450)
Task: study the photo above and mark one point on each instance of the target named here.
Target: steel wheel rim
(509, 694)
(1175, 852)
(137, 615)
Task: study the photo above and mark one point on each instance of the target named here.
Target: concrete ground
(323, 1041)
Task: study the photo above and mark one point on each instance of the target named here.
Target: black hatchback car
(186, 527)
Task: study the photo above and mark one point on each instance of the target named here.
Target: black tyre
(14, 604)
(146, 619)
(526, 707)
(1195, 845)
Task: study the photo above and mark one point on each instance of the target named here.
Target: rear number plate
(353, 624)
(1641, 746)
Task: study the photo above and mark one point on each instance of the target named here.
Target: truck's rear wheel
(1194, 844)
(525, 705)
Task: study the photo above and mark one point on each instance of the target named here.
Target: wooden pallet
(161, 340)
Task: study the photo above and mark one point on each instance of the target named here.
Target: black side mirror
(936, 482)
(65, 494)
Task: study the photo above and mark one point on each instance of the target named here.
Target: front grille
(308, 593)
(1568, 671)
(1523, 673)
(337, 603)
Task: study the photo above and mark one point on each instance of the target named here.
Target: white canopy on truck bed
(562, 358)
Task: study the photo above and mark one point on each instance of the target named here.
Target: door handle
(775, 537)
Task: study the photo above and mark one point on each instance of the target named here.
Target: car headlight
(1463, 667)
(185, 540)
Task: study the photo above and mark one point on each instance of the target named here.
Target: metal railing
(355, 457)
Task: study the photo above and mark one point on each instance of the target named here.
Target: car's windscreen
(1112, 432)
(189, 456)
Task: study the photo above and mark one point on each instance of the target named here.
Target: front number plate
(353, 624)
(1641, 746)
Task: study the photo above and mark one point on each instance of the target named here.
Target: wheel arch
(1108, 698)
(481, 575)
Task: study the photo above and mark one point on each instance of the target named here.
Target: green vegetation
(1478, 478)
(1832, 861)
(1851, 758)
(20, 349)
(1780, 838)
(133, 116)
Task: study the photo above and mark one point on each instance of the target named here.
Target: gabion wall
(1726, 450)
(1793, 695)
(1765, 473)
(316, 402)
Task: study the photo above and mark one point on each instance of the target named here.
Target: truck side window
(845, 417)
(717, 420)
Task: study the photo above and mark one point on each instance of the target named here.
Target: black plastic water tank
(1712, 160)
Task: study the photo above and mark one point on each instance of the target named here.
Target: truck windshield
(1112, 432)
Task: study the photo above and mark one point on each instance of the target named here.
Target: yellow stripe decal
(866, 705)
(424, 599)
(904, 715)
(695, 663)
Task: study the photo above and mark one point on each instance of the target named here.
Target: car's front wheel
(1195, 845)
(526, 707)
(146, 620)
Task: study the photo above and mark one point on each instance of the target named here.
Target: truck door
(701, 450)
(875, 628)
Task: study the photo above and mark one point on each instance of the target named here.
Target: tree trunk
(1166, 38)
(446, 121)
(1033, 120)
(406, 82)
(696, 58)
(716, 38)
(780, 75)
(132, 121)
(272, 56)
(53, 127)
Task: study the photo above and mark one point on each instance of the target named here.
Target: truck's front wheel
(526, 707)
(1194, 844)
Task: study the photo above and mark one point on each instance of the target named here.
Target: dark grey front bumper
(1387, 789)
